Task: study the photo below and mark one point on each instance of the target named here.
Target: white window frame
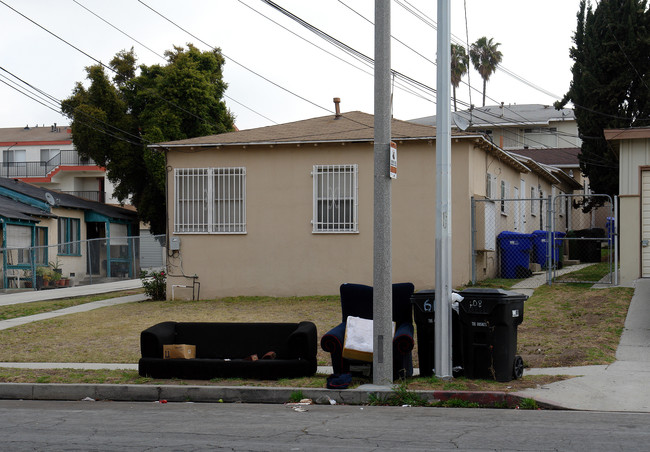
(534, 207)
(490, 186)
(336, 186)
(210, 200)
(48, 154)
(505, 189)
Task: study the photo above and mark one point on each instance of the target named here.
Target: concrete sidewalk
(620, 386)
(67, 292)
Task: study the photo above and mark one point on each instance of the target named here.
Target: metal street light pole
(382, 273)
(442, 361)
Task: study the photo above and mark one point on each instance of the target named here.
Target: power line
(161, 56)
(99, 62)
(361, 56)
(54, 101)
(235, 61)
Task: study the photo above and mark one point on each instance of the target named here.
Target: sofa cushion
(221, 349)
(236, 340)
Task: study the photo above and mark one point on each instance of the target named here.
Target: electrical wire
(235, 61)
(162, 56)
(99, 62)
(54, 101)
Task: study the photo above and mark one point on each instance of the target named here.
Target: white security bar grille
(229, 206)
(210, 200)
(335, 198)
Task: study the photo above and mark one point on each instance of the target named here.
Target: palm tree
(459, 66)
(485, 57)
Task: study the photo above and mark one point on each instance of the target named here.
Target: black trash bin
(425, 321)
(585, 245)
(489, 319)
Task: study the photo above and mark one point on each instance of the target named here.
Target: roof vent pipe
(337, 107)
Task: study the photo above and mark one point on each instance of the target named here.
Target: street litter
(87, 399)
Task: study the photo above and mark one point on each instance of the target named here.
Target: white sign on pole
(393, 160)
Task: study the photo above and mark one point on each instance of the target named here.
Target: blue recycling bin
(611, 228)
(516, 249)
(540, 247)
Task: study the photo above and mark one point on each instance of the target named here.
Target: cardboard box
(179, 351)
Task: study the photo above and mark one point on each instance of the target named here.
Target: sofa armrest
(302, 342)
(153, 338)
(403, 339)
(332, 341)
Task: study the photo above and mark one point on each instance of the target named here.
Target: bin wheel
(518, 367)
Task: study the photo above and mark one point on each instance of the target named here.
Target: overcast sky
(535, 39)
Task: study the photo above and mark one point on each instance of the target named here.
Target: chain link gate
(587, 235)
(547, 237)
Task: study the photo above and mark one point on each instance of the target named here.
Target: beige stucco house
(288, 209)
(633, 146)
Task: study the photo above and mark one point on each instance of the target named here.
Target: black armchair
(356, 300)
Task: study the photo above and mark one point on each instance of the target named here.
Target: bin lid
(490, 293)
(512, 234)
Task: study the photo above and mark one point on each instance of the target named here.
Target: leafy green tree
(611, 72)
(485, 56)
(113, 121)
(459, 67)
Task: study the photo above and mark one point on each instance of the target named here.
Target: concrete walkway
(67, 292)
(621, 386)
(4, 324)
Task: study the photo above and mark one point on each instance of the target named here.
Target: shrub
(155, 284)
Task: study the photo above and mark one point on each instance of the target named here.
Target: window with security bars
(335, 198)
(210, 200)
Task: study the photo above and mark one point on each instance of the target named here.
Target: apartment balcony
(99, 196)
(43, 169)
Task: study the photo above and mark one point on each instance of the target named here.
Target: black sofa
(223, 350)
(356, 300)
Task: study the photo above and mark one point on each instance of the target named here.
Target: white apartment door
(515, 195)
(645, 224)
(522, 209)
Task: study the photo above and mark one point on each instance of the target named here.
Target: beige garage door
(645, 223)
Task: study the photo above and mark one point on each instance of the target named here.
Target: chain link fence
(81, 262)
(520, 238)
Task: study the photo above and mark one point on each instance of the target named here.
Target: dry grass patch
(112, 334)
(564, 325)
(570, 325)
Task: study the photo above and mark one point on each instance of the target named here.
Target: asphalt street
(131, 426)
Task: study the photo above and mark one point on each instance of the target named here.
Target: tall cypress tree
(610, 86)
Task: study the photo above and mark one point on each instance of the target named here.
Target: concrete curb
(240, 394)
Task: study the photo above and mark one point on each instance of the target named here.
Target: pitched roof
(553, 156)
(15, 210)
(630, 133)
(38, 134)
(351, 126)
(508, 115)
(67, 200)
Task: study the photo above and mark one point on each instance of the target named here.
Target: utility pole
(382, 358)
(442, 361)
